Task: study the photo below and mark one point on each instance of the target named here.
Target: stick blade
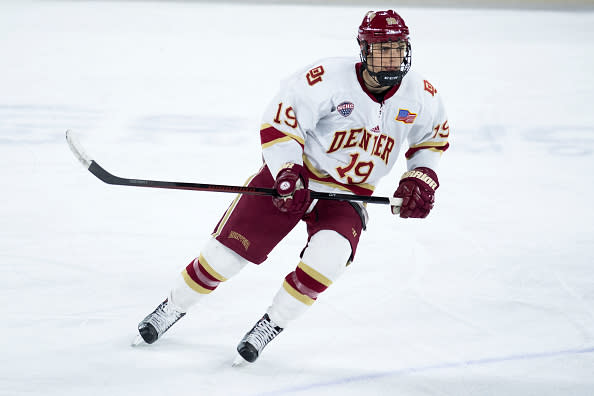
(77, 150)
(137, 341)
(239, 362)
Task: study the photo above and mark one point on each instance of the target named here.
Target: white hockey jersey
(324, 118)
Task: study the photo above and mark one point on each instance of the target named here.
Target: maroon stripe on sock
(296, 280)
(199, 275)
(309, 281)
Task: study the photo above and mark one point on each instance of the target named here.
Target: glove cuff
(426, 175)
(295, 169)
(291, 166)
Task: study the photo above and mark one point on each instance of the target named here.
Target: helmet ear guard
(384, 27)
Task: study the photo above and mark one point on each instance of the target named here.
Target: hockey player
(336, 126)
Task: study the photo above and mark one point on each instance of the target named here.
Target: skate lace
(262, 334)
(165, 316)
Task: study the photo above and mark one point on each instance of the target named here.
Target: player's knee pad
(222, 260)
(327, 253)
(216, 264)
(323, 261)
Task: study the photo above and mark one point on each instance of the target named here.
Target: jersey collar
(387, 95)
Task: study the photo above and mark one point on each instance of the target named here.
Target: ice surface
(493, 294)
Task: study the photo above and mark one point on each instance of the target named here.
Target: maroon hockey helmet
(384, 27)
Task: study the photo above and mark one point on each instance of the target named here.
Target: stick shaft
(109, 178)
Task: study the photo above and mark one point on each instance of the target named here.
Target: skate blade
(240, 362)
(138, 340)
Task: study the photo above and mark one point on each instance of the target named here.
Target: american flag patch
(406, 116)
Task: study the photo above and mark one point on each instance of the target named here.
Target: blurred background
(492, 294)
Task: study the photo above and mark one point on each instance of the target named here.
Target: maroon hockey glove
(291, 186)
(417, 190)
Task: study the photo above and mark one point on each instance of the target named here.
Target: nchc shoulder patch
(345, 108)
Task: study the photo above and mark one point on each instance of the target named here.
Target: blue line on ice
(421, 369)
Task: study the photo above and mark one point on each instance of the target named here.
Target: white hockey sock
(216, 264)
(323, 261)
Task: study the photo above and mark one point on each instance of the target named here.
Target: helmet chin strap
(385, 78)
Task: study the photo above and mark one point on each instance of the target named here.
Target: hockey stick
(109, 178)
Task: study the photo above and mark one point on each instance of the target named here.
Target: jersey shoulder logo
(314, 76)
(429, 88)
(405, 116)
(345, 108)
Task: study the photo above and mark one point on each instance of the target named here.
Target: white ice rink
(493, 294)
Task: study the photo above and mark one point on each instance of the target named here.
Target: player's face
(386, 56)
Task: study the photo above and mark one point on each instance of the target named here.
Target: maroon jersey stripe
(413, 151)
(351, 187)
(271, 134)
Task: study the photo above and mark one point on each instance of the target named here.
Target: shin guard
(324, 260)
(205, 273)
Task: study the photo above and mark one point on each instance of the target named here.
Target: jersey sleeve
(292, 112)
(429, 139)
